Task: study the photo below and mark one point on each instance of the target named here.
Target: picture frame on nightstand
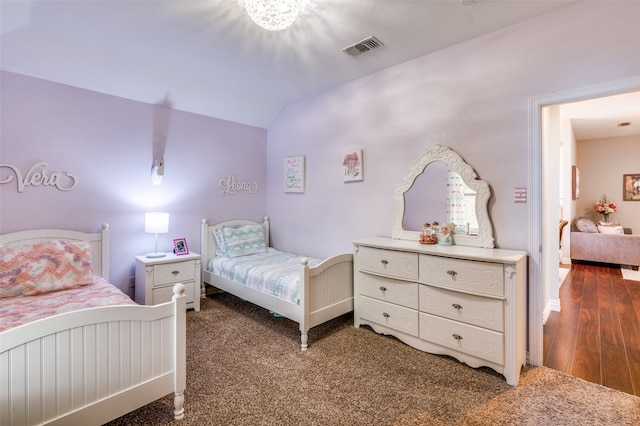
(180, 246)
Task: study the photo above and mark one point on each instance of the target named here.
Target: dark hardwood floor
(596, 336)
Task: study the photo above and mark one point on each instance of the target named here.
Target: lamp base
(155, 255)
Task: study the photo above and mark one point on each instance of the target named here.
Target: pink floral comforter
(16, 311)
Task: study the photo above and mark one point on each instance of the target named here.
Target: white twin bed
(237, 259)
(66, 360)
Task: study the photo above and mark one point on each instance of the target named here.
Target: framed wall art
(575, 182)
(352, 166)
(294, 173)
(631, 187)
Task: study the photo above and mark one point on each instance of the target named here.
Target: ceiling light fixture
(273, 15)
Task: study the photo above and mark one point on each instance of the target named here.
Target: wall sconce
(156, 223)
(157, 172)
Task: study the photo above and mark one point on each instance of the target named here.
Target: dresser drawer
(402, 293)
(397, 264)
(475, 310)
(164, 294)
(466, 275)
(173, 272)
(393, 316)
(475, 341)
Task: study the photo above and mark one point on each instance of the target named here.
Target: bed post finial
(203, 221)
(105, 226)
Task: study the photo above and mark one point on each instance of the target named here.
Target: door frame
(539, 231)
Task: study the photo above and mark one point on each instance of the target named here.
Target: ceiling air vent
(363, 46)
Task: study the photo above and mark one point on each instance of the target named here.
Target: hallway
(596, 336)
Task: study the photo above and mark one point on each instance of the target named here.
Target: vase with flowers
(605, 207)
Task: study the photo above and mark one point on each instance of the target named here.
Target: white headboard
(99, 243)
(208, 242)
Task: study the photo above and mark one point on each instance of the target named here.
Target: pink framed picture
(180, 246)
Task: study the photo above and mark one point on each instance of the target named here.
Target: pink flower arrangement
(605, 207)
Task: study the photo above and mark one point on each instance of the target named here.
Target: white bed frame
(94, 365)
(326, 293)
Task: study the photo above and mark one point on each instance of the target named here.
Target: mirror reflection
(440, 194)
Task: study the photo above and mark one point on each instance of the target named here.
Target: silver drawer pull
(452, 273)
(383, 289)
(175, 273)
(384, 262)
(456, 306)
(386, 315)
(457, 336)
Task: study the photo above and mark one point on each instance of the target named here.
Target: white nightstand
(155, 278)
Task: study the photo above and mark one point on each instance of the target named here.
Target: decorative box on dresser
(466, 302)
(155, 278)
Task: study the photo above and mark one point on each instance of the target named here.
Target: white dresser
(466, 302)
(155, 278)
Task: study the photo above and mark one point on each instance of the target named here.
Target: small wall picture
(180, 246)
(352, 166)
(294, 174)
(631, 187)
(575, 182)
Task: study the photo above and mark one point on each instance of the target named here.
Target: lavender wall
(472, 97)
(107, 143)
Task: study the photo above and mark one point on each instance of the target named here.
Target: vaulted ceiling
(209, 58)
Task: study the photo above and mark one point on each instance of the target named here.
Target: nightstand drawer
(164, 294)
(173, 273)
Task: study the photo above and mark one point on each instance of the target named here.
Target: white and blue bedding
(273, 272)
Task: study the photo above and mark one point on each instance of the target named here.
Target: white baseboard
(552, 305)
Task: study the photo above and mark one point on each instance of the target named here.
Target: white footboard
(94, 365)
(328, 289)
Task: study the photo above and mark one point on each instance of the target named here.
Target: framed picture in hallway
(294, 174)
(631, 187)
(575, 182)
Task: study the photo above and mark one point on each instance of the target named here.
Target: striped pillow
(244, 240)
(30, 269)
(221, 245)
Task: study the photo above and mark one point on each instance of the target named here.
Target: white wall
(472, 97)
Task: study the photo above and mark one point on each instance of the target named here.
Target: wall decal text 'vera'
(38, 175)
(230, 186)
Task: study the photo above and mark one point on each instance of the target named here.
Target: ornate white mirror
(441, 187)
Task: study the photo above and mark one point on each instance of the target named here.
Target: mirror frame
(457, 164)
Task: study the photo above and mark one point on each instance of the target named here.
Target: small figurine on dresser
(446, 234)
(426, 236)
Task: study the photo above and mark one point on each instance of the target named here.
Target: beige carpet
(245, 368)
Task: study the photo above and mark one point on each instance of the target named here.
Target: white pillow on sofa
(609, 229)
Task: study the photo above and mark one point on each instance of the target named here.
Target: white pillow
(617, 230)
(244, 240)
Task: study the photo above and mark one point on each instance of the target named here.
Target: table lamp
(156, 223)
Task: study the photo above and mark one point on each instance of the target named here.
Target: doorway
(543, 211)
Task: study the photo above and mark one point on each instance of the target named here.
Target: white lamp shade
(156, 223)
